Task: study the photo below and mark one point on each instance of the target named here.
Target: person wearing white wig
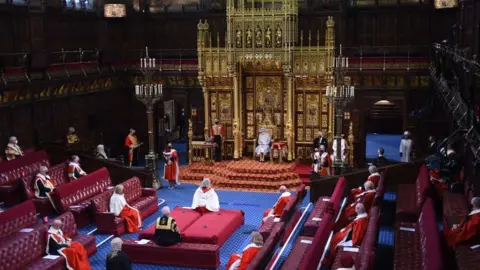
(205, 198)
(13, 150)
(117, 259)
(406, 148)
(263, 146)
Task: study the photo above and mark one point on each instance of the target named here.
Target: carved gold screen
(221, 108)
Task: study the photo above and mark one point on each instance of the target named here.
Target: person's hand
(455, 226)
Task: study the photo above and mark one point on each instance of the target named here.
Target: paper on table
(475, 247)
(75, 206)
(110, 187)
(407, 229)
(326, 199)
(51, 257)
(26, 230)
(350, 249)
(306, 241)
(277, 219)
(316, 219)
(143, 241)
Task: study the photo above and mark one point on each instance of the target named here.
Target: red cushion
(407, 210)
(214, 228)
(20, 250)
(315, 217)
(466, 257)
(299, 249)
(263, 255)
(183, 217)
(314, 253)
(18, 217)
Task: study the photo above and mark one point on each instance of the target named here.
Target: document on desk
(407, 229)
(316, 219)
(350, 249)
(26, 230)
(143, 241)
(51, 257)
(306, 241)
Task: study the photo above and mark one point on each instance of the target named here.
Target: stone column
(206, 129)
(289, 126)
(236, 116)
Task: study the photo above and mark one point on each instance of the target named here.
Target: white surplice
(208, 199)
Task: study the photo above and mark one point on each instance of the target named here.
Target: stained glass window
(446, 4)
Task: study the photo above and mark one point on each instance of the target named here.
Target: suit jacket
(318, 142)
(432, 148)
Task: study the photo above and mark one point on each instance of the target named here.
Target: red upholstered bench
(70, 229)
(300, 247)
(192, 255)
(183, 217)
(11, 172)
(410, 197)
(143, 199)
(18, 217)
(265, 253)
(313, 221)
(76, 196)
(456, 205)
(467, 258)
(417, 245)
(44, 206)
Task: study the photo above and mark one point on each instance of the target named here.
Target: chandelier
(341, 92)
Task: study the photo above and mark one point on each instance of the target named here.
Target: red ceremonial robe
(13, 151)
(75, 255)
(366, 197)
(171, 168)
(277, 209)
(241, 261)
(131, 142)
(353, 231)
(325, 160)
(120, 207)
(48, 185)
(374, 178)
(74, 171)
(469, 228)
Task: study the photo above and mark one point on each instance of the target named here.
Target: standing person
(117, 259)
(131, 144)
(100, 153)
(406, 148)
(171, 170)
(74, 170)
(120, 208)
(166, 230)
(380, 160)
(320, 140)
(432, 145)
(217, 132)
(13, 150)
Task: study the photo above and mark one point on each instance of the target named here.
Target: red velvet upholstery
(75, 196)
(410, 197)
(313, 221)
(300, 247)
(265, 253)
(467, 258)
(19, 251)
(419, 249)
(455, 205)
(314, 253)
(290, 226)
(183, 217)
(18, 217)
(12, 171)
(141, 198)
(70, 229)
(214, 227)
(182, 254)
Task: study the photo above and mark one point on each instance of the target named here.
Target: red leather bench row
(18, 217)
(467, 258)
(417, 244)
(455, 206)
(410, 197)
(265, 254)
(267, 226)
(143, 199)
(76, 196)
(26, 250)
(315, 217)
(12, 171)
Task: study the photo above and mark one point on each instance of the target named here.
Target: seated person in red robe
(166, 230)
(277, 209)
(44, 184)
(205, 198)
(241, 261)
(366, 198)
(374, 177)
(60, 245)
(351, 235)
(467, 229)
(74, 169)
(120, 207)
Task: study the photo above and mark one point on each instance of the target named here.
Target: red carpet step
(246, 175)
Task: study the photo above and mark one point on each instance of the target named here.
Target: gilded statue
(268, 38)
(278, 37)
(239, 38)
(258, 38)
(249, 38)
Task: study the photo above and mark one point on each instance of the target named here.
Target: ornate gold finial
(330, 22)
(200, 25)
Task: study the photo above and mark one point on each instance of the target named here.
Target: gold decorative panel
(277, 119)
(214, 115)
(250, 132)
(300, 103)
(213, 101)
(312, 103)
(324, 121)
(269, 91)
(300, 120)
(324, 104)
(250, 82)
(250, 118)
(367, 81)
(308, 134)
(225, 106)
(300, 134)
(400, 81)
(414, 81)
(424, 80)
(259, 117)
(250, 101)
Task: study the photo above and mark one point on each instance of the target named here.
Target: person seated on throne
(120, 208)
(205, 198)
(263, 147)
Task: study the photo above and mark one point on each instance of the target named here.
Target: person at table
(120, 208)
(351, 235)
(217, 132)
(241, 261)
(277, 209)
(263, 147)
(13, 150)
(468, 229)
(43, 184)
(72, 137)
(74, 169)
(365, 198)
(100, 153)
(380, 160)
(171, 170)
(117, 259)
(319, 141)
(59, 244)
(132, 144)
(205, 198)
(406, 148)
(166, 230)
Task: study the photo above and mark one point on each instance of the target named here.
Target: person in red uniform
(217, 132)
(277, 209)
(131, 144)
(374, 178)
(366, 198)
(120, 208)
(467, 229)
(241, 261)
(351, 235)
(74, 170)
(171, 169)
(59, 244)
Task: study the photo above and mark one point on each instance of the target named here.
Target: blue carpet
(384, 254)
(391, 144)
